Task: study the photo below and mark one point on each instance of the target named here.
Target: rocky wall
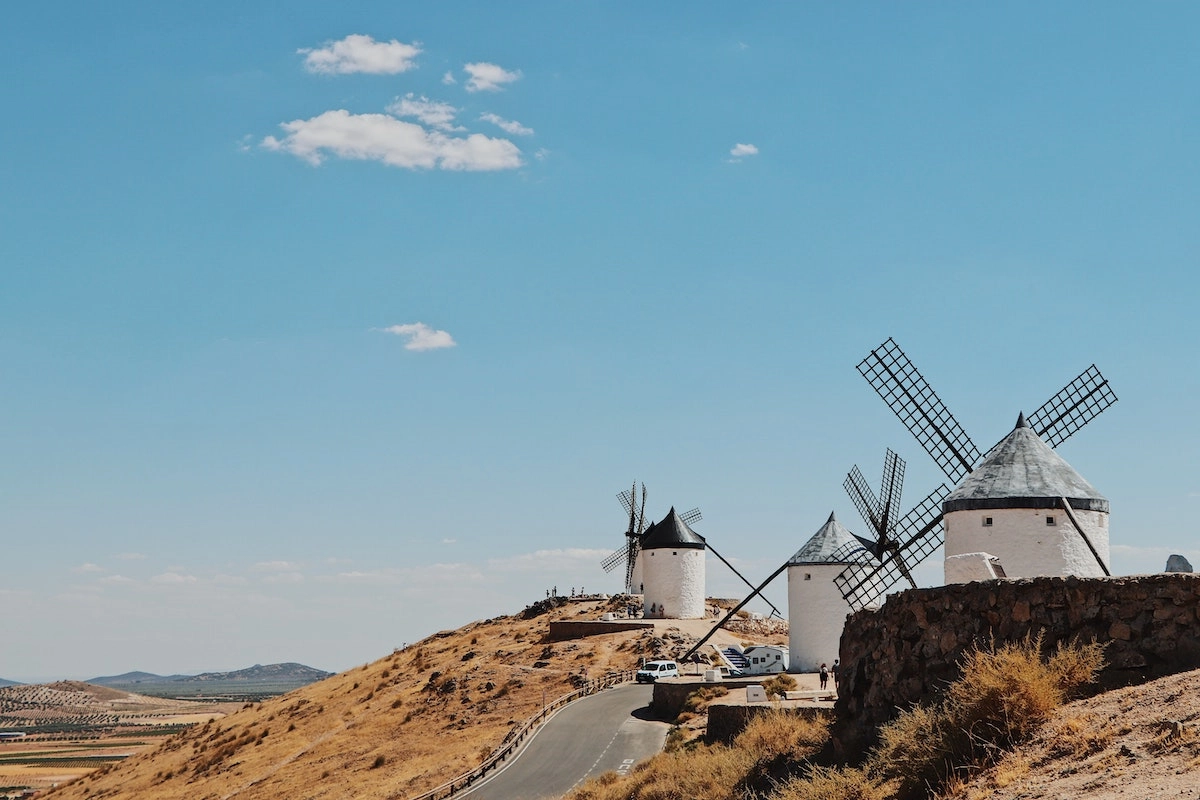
(578, 629)
(909, 650)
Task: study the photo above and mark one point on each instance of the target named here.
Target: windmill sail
(913, 400)
(633, 533)
(1077, 404)
(879, 512)
(915, 538)
(614, 560)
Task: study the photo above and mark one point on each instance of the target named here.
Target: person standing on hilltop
(834, 671)
(824, 674)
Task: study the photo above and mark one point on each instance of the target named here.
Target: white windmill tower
(1029, 509)
(816, 609)
(672, 557)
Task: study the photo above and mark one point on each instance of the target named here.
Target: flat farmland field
(71, 729)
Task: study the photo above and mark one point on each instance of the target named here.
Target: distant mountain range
(4, 683)
(290, 673)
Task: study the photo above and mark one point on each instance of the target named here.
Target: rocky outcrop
(909, 650)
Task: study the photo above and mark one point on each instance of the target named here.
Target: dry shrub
(779, 733)
(1080, 737)
(1011, 768)
(715, 772)
(781, 684)
(1004, 694)
(838, 783)
(1172, 735)
(705, 773)
(700, 698)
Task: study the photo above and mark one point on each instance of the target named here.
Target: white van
(653, 670)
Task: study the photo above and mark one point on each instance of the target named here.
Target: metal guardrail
(518, 735)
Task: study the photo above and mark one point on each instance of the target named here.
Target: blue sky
(326, 329)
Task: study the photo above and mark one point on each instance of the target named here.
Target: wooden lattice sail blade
(1079, 402)
(864, 499)
(913, 400)
(614, 560)
(893, 485)
(630, 566)
(916, 537)
(689, 517)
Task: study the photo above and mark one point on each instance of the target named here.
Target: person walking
(834, 671)
(824, 674)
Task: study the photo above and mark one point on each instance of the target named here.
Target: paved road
(611, 730)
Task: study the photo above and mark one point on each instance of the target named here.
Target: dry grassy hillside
(1138, 742)
(394, 727)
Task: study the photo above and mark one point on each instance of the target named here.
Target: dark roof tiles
(671, 531)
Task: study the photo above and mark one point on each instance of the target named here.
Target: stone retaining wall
(671, 693)
(561, 631)
(909, 650)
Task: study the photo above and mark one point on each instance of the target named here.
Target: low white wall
(674, 581)
(971, 567)
(1026, 546)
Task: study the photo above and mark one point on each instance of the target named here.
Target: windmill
(633, 533)
(636, 531)
(891, 530)
(894, 378)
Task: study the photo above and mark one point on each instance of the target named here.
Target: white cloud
(487, 77)
(507, 125)
(359, 53)
(116, 579)
(449, 541)
(421, 337)
(379, 137)
(740, 151)
(431, 112)
(89, 567)
(448, 78)
(174, 578)
(276, 566)
(542, 154)
(427, 576)
(284, 577)
(549, 560)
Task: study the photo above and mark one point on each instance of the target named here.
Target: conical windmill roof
(1022, 471)
(833, 544)
(671, 531)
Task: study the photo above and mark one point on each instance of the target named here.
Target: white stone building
(672, 570)
(765, 659)
(816, 609)
(1011, 509)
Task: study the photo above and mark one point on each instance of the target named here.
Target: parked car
(653, 670)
